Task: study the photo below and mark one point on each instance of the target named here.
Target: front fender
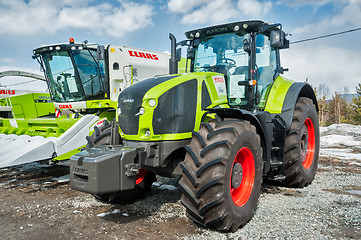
(261, 120)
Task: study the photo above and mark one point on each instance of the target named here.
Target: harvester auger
(229, 123)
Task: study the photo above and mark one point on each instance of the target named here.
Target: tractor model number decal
(65, 106)
(220, 84)
(143, 55)
(10, 92)
(13, 123)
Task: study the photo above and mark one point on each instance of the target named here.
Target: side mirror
(277, 38)
(190, 53)
(247, 45)
(178, 54)
(100, 53)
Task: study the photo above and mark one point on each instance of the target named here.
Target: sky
(330, 64)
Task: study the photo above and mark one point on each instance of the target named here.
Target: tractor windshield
(225, 54)
(74, 75)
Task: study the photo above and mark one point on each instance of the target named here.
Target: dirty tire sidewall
(244, 213)
(206, 186)
(296, 174)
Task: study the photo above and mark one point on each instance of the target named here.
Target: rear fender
(283, 97)
(296, 91)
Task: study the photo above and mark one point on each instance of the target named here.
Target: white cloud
(48, 17)
(349, 16)
(323, 65)
(7, 60)
(214, 12)
(217, 11)
(184, 6)
(296, 3)
(254, 8)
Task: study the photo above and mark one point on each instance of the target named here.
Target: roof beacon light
(71, 40)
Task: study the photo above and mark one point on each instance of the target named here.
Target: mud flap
(103, 170)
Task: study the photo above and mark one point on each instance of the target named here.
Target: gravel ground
(37, 203)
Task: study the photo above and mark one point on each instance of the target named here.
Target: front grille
(128, 121)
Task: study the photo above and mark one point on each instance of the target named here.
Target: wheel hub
(304, 143)
(237, 174)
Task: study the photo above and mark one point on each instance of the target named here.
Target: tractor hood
(130, 102)
(168, 107)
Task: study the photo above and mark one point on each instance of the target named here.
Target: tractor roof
(242, 27)
(62, 46)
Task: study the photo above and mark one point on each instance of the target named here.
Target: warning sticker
(13, 123)
(220, 84)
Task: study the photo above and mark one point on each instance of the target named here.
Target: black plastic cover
(176, 110)
(130, 101)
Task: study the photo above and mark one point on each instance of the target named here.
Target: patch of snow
(7, 182)
(341, 129)
(31, 166)
(156, 184)
(330, 141)
(338, 140)
(356, 192)
(339, 153)
(116, 211)
(356, 163)
(168, 187)
(61, 179)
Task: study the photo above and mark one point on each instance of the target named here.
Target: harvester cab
(90, 76)
(229, 123)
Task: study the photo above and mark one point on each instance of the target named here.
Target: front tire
(302, 145)
(222, 174)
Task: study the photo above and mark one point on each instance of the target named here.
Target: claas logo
(10, 92)
(65, 106)
(143, 55)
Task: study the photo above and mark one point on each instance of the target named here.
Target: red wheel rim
(241, 194)
(311, 144)
(140, 176)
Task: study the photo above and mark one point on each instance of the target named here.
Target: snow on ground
(341, 141)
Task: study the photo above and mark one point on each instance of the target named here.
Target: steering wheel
(228, 61)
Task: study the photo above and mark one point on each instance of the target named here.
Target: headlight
(119, 111)
(147, 133)
(152, 102)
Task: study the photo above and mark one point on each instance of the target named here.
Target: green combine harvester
(84, 81)
(222, 128)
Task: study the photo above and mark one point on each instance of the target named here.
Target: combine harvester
(84, 82)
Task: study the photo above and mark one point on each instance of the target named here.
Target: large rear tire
(302, 145)
(101, 135)
(144, 179)
(222, 174)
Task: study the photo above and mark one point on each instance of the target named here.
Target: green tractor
(224, 127)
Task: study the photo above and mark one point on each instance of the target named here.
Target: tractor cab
(74, 71)
(246, 53)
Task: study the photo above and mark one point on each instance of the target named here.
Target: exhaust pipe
(173, 62)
